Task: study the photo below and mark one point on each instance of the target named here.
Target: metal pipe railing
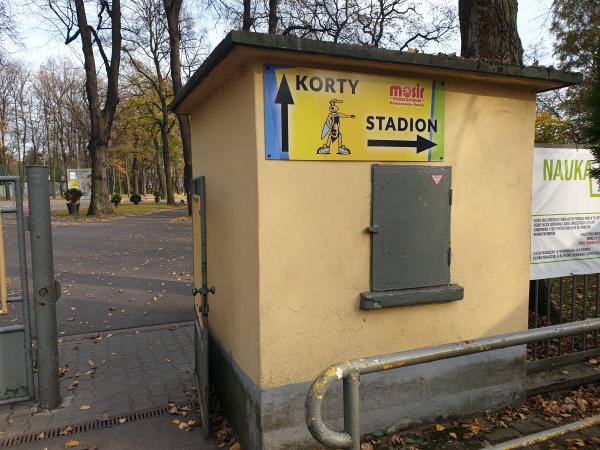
(351, 370)
(3, 279)
(45, 289)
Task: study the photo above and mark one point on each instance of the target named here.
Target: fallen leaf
(235, 446)
(84, 407)
(72, 443)
(439, 427)
(452, 434)
(122, 420)
(397, 440)
(67, 430)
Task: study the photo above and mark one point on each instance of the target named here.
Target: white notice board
(565, 214)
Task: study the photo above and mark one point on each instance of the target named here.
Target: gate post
(44, 285)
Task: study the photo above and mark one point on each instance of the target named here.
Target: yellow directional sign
(328, 115)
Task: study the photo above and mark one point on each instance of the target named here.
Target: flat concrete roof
(548, 77)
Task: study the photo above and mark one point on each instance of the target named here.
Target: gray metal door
(16, 356)
(410, 227)
(201, 291)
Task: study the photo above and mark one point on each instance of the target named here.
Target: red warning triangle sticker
(437, 178)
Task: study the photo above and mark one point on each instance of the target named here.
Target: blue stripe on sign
(432, 115)
(272, 114)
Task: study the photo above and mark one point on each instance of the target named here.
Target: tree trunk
(164, 134)
(99, 200)
(488, 30)
(101, 119)
(134, 175)
(159, 169)
(247, 16)
(142, 179)
(176, 180)
(127, 176)
(273, 4)
(173, 10)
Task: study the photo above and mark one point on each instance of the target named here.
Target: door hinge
(373, 229)
(203, 291)
(449, 255)
(450, 196)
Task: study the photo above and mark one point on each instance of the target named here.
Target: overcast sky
(39, 42)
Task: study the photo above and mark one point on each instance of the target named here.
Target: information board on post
(565, 225)
(330, 115)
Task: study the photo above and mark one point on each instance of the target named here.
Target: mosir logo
(407, 95)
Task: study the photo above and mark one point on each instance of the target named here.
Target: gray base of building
(274, 418)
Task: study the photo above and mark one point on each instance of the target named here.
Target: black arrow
(284, 98)
(421, 144)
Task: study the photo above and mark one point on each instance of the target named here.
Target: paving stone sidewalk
(113, 373)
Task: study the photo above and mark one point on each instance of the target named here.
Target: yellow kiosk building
(360, 202)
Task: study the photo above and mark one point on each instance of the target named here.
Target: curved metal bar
(320, 387)
(313, 406)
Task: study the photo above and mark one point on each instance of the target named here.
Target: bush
(157, 194)
(72, 195)
(116, 199)
(135, 198)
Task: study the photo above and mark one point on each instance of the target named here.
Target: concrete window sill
(407, 297)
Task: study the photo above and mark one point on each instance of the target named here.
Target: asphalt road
(122, 273)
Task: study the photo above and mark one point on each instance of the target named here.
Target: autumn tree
(592, 128)
(488, 30)
(6, 83)
(136, 151)
(148, 51)
(395, 24)
(576, 27)
(103, 39)
(173, 10)
(550, 129)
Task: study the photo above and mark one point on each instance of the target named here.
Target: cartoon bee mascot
(331, 129)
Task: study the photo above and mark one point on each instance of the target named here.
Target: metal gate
(201, 332)
(16, 356)
(554, 301)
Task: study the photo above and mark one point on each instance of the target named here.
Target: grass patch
(123, 210)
